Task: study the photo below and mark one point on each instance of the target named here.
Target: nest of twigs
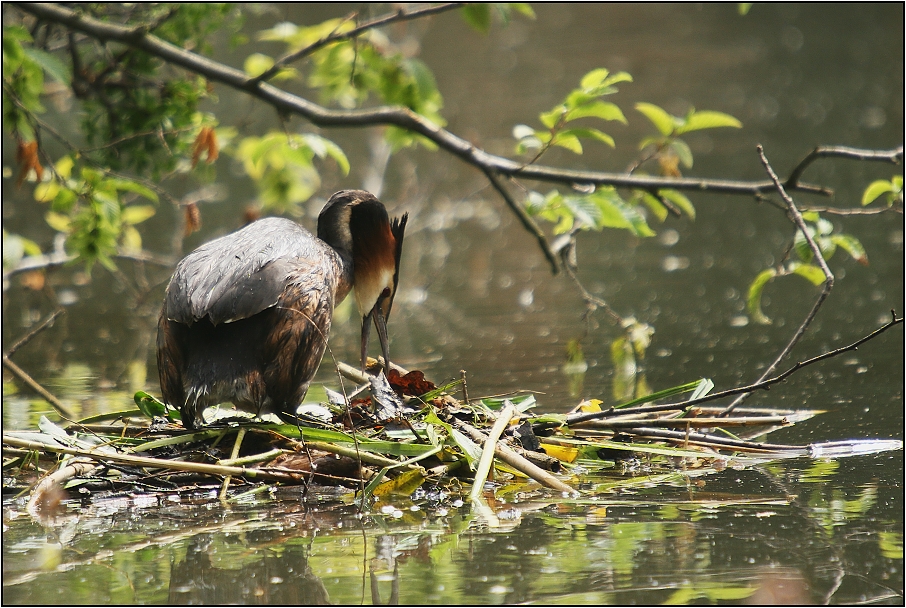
(405, 434)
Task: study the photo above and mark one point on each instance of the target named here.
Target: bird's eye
(385, 293)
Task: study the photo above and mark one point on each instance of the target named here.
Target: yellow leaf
(57, 221)
(560, 452)
(592, 405)
(403, 485)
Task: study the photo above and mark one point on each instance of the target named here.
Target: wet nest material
(405, 433)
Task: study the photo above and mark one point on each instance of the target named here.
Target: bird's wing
(243, 273)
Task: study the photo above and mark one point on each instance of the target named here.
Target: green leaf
(590, 134)
(46, 191)
(64, 200)
(662, 121)
(876, 189)
(616, 79)
(136, 214)
(599, 109)
(708, 119)
(616, 213)
(680, 200)
(478, 16)
(522, 132)
(800, 245)
(653, 203)
(584, 210)
(852, 246)
(53, 66)
(131, 240)
(149, 405)
(682, 151)
(257, 64)
(523, 8)
(568, 141)
(753, 302)
(64, 166)
(550, 119)
(594, 78)
(402, 485)
(809, 272)
(127, 185)
(323, 147)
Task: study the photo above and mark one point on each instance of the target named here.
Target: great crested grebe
(246, 316)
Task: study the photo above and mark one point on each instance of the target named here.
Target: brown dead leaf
(206, 142)
(27, 159)
(413, 383)
(193, 218)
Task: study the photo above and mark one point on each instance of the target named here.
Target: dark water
(477, 295)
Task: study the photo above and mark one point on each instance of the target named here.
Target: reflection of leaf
(712, 591)
(402, 485)
(891, 544)
(819, 471)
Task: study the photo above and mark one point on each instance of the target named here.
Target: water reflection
(758, 536)
(477, 295)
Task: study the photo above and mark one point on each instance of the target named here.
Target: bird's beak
(380, 323)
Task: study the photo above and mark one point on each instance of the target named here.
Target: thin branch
(34, 332)
(826, 287)
(402, 117)
(59, 258)
(272, 473)
(527, 222)
(592, 302)
(396, 17)
(894, 156)
(761, 385)
(33, 384)
(513, 459)
(853, 211)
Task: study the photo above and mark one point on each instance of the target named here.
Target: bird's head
(357, 225)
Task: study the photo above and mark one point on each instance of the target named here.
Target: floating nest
(405, 434)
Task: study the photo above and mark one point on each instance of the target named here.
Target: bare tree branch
(894, 156)
(527, 222)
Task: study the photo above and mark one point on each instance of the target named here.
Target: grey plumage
(246, 316)
(243, 273)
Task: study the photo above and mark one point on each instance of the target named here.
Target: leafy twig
(826, 287)
(286, 102)
(398, 16)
